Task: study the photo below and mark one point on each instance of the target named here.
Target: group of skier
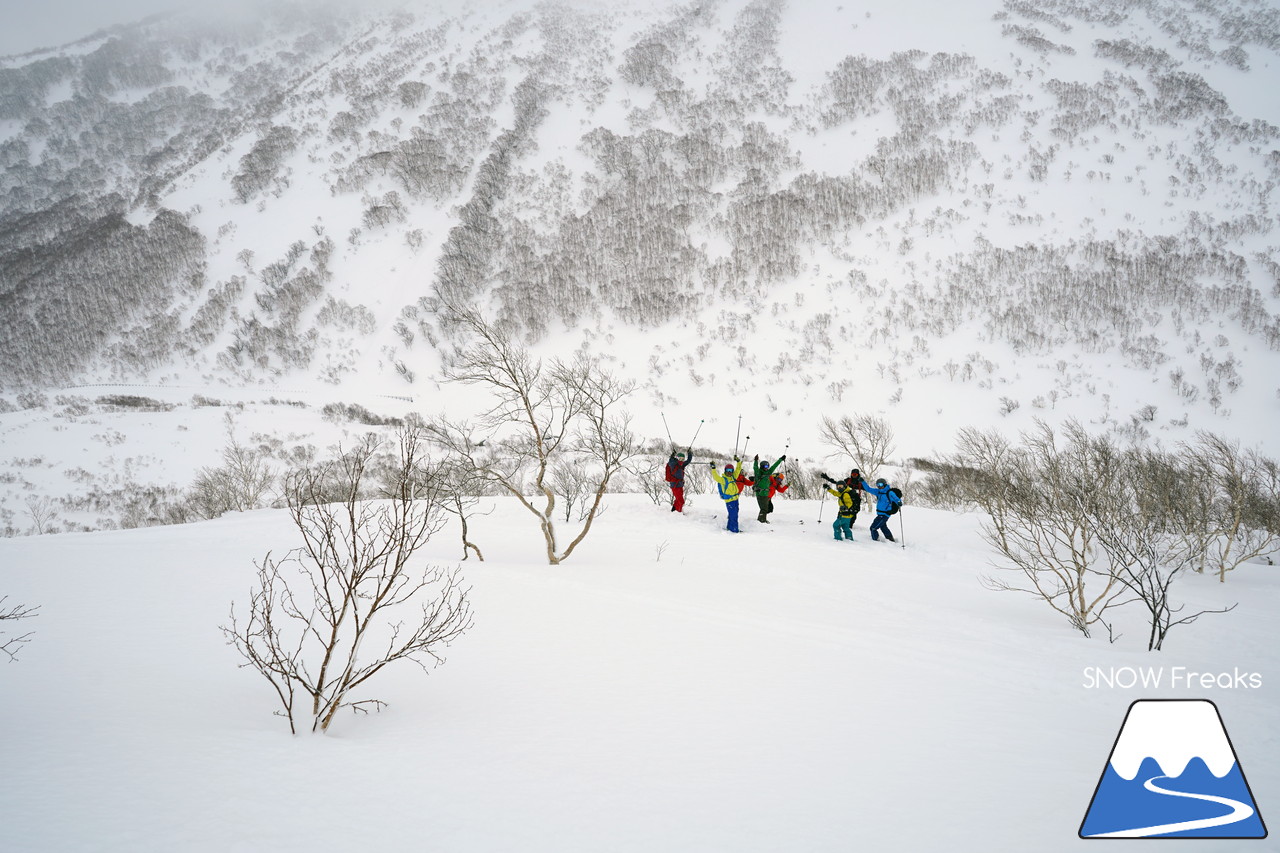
(766, 480)
(849, 501)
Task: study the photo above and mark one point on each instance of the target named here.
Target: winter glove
(782, 458)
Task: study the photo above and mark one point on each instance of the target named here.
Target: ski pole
(822, 503)
(744, 445)
(738, 436)
(902, 527)
(695, 434)
(668, 429)
(784, 453)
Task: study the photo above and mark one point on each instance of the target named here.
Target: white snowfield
(672, 687)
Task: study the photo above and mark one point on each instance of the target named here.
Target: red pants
(677, 492)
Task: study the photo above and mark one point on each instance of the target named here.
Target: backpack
(722, 485)
(895, 505)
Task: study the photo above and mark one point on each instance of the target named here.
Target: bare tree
(1243, 511)
(461, 494)
(1042, 501)
(43, 515)
(804, 483)
(1153, 538)
(542, 416)
(10, 645)
(243, 482)
(572, 483)
(866, 439)
(334, 612)
(650, 477)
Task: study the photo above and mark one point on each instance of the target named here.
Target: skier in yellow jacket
(847, 501)
(730, 489)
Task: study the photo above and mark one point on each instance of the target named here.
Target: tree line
(1088, 524)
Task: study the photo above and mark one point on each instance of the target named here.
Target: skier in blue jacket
(887, 503)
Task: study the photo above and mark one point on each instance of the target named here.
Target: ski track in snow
(1240, 811)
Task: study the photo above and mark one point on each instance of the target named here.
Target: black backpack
(894, 507)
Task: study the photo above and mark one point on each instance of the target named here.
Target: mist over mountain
(1002, 211)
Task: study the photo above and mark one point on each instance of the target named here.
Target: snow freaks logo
(1172, 773)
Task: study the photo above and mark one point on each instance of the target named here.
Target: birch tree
(1042, 498)
(542, 417)
(866, 439)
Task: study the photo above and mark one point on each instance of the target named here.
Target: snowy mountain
(995, 212)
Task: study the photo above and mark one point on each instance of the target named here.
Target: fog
(30, 26)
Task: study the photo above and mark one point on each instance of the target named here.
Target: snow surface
(672, 687)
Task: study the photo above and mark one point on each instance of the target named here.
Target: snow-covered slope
(672, 687)
(992, 212)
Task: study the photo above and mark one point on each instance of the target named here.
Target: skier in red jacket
(675, 477)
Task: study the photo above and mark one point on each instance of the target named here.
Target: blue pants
(844, 526)
(881, 525)
(732, 507)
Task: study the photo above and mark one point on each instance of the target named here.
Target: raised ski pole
(738, 436)
(668, 429)
(695, 434)
(744, 445)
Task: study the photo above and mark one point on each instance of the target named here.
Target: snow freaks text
(1171, 678)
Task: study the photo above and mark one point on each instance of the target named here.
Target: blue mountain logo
(1173, 773)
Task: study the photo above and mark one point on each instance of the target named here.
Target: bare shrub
(1090, 526)
(1148, 532)
(650, 478)
(331, 614)
(1242, 509)
(243, 481)
(1041, 503)
(10, 645)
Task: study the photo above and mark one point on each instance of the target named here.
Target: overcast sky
(28, 24)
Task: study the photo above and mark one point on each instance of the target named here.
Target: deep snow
(671, 687)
